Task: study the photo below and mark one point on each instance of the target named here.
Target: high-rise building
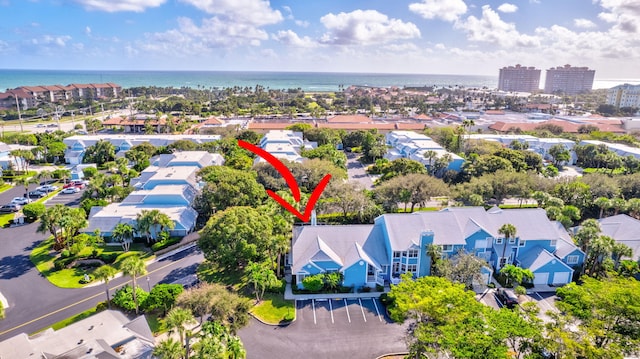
(624, 96)
(519, 78)
(569, 80)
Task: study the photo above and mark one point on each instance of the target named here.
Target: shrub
(78, 126)
(89, 172)
(162, 244)
(520, 290)
(162, 296)
(491, 285)
(123, 297)
(385, 299)
(62, 263)
(33, 211)
(313, 283)
(109, 257)
(379, 288)
(86, 280)
(65, 253)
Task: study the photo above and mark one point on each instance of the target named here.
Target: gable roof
(537, 257)
(623, 229)
(343, 245)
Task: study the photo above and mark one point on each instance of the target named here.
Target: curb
(392, 354)
(274, 325)
(3, 300)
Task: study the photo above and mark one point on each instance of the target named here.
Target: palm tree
(508, 230)
(24, 181)
(618, 251)
(430, 155)
(105, 273)
(169, 349)
(434, 252)
(123, 233)
(235, 349)
(179, 318)
(149, 220)
(602, 203)
(133, 266)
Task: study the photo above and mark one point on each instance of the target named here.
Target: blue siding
(355, 275)
(425, 260)
(551, 268)
(576, 252)
(328, 265)
(387, 243)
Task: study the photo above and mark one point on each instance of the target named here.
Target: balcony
(375, 279)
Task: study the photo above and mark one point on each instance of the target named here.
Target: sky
(466, 37)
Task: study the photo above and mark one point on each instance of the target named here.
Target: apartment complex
(519, 79)
(624, 96)
(31, 96)
(569, 80)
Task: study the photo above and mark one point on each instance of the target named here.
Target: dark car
(507, 297)
(10, 208)
(35, 194)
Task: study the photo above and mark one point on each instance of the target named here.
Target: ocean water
(307, 81)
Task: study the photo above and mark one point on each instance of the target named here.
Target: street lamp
(148, 284)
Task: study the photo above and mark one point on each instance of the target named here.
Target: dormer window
(499, 240)
(512, 241)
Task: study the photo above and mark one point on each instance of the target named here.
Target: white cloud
(302, 23)
(447, 10)
(120, 5)
(584, 23)
(625, 14)
(365, 27)
(491, 29)
(87, 31)
(507, 8)
(290, 38)
(256, 12)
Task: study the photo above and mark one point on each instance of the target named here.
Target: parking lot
(544, 300)
(331, 312)
(69, 200)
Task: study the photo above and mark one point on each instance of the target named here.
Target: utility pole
(19, 114)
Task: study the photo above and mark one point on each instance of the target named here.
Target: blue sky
(390, 36)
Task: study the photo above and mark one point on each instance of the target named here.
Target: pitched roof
(537, 257)
(344, 245)
(623, 229)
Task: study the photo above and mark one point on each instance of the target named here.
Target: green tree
(123, 233)
(163, 296)
(508, 231)
(236, 236)
(516, 275)
(327, 153)
(603, 203)
(559, 154)
(105, 273)
(33, 211)
(100, 153)
(261, 276)
(133, 266)
(179, 319)
(464, 268)
(169, 349)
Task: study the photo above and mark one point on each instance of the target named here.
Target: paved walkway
(288, 294)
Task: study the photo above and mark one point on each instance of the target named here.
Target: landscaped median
(274, 310)
(5, 219)
(44, 261)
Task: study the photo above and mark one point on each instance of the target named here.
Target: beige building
(519, 79)
(624, 96)
(569, 80)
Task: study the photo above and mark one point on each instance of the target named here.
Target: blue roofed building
(412, 145)
(397, 244)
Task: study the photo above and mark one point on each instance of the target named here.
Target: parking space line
(331, 311)
(362, 309)
(313, 304)
(346, 306)
(376, 306)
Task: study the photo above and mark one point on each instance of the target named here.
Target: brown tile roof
(269, 125)
(33, 88)
(113, 121)
(539, 106)
(410, 126)
(213, 121)
(348, 119)
(494, 112)
(570, 127)
(422, 117)
(358, 126)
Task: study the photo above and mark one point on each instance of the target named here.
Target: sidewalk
(288, 295)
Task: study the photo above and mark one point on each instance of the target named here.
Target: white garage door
(541, 278)
(561, 278)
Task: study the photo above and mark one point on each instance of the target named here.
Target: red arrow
(291, 182)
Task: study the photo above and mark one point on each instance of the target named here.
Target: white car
(70, 190)
(21, 201)
(47, 188)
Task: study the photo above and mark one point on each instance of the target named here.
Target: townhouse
(414, 146)
(369, 255)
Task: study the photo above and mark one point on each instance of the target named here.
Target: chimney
(314, 219)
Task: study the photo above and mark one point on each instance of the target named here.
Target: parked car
(507, 297)
(21, 201)
(47, 188)
(10, 208)
(70, 190)
(35, 194)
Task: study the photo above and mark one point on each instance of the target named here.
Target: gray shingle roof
(623, 229)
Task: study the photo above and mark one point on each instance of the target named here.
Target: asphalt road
(357, 172)
(34, 303)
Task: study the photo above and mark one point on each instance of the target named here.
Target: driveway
(357, 172)
(333, 328)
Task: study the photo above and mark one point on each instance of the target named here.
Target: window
(499, 240)
(404, 254)
(503, 261)
(554, 242)
(413, 253)
(403, 268)
(572, 259)
(447, 247)
(522, 243)
(396, 268)
(512, 240)
(412, 268)
(397, 254)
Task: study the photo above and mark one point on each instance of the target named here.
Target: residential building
(413, 145)
(540, 146)
(284, 144)
(619, 148)
(519, 79)
(108, 334)
(569, 80)
(368, 255)
(76, 145)
(31, 96)
(169, 185)
(624, 96)
(623, 229)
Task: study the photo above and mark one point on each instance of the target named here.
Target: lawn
(209, 272)
(156, 324)
(4, 187)
(274, 309)
(43, 259)
(5, 219)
